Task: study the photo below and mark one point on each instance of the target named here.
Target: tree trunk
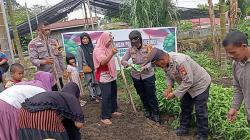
(233, 14)
(15, 33)
(86, 16)
(90, 15)
(223, 34)
(216, 47)
(5, 40)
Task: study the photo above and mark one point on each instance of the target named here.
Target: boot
(147, 113)
(181, 131)
(155, 117)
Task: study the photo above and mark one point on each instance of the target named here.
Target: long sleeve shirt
(139, 56)
(241, 85)
(38, 52)
(192, 78)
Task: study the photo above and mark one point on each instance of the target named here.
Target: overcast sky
(180, 3)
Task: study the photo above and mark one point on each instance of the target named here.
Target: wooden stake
(125, 81)
(53, 65)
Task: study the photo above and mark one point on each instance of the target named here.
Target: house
(76, 25)
(203, 22)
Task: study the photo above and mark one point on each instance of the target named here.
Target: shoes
(181, 131)
(147, 114)
(198, 137)
(156, 118)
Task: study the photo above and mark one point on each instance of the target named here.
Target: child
(17, 73)
(73, 75)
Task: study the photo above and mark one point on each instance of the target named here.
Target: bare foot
(117, 114)
(82, 102)
(106, 121)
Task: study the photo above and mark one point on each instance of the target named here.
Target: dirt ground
(224, 81)
(129, 126)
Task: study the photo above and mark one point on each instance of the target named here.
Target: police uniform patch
(182, 70)
(32, 46)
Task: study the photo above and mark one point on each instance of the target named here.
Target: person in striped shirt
(41, 116)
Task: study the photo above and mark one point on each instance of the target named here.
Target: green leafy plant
(187, 25)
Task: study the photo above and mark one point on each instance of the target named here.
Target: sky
(180, 3)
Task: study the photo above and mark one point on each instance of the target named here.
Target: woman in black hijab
(86, 65)
(42, 115)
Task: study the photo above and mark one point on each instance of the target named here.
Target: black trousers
(147, 92)
(72, 131)
(109, 99)
(201, 112)
(55, 88)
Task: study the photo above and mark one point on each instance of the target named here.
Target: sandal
(117, 114)
(106, 121)
(82, 103)
(94, 99)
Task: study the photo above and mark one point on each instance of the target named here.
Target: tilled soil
(129, 126)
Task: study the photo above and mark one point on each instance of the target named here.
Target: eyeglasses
(133, 40)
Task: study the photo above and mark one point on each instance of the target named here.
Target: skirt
(8, 121)
(41, 125)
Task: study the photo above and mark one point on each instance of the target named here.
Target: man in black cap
(193, 89)
(144, 80)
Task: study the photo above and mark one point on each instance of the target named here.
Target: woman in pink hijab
(105, 74)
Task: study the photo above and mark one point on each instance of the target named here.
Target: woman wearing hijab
(41, 115)
(105, 74)
(11, 99)
(85, 59)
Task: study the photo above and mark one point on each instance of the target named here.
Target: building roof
(51, 15)
(71, 24)
(205, 21)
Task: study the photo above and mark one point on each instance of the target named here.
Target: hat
(135, 35)
(155, 55)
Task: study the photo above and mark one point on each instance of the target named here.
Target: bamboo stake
(124, 79)
(53, 65)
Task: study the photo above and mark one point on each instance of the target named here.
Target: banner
(163, 38)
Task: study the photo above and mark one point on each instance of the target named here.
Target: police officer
(193, 89)
(40, 57)
(144, 81)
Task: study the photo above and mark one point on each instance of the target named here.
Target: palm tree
(223, 34)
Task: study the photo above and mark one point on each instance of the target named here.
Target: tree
(216, 47)
(206, 7)
(223, 34)
(14, 28)
(203, 6)
(244, 6)
(37, 9)
(20, 15)
(233, 10)
(148, 13)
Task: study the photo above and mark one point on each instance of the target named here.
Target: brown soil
(225, 81)
(129, 126)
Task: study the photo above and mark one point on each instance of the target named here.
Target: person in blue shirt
(4, 66)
